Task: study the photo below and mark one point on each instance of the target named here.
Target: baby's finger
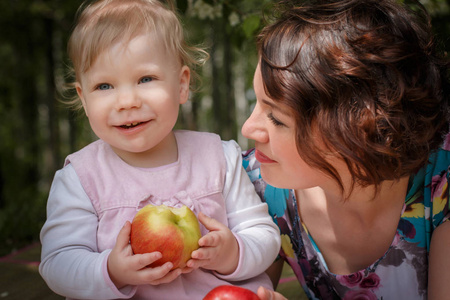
(149, 275)
(209, 240)
(186, 270)
(202, 257)
(198, 254)
(210, 223)
(169, 277)
(140, 261)
(196, 263)
(205, 253)
(123, 237)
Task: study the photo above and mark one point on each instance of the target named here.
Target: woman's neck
(355, 231)
(364, 203)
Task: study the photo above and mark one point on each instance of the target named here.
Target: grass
(289, 286)
(20, 279)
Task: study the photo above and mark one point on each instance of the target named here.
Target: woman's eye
(274, 120)
(145, 79)
(104, 86)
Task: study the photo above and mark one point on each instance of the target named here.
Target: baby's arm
(255, 234)
(71, 264)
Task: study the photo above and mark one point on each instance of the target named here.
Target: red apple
(172, 231)
(230, 292)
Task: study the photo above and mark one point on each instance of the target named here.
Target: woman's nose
(254, 128)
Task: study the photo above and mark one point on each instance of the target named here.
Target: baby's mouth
(131, 125)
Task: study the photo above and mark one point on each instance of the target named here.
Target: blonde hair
(101, 24)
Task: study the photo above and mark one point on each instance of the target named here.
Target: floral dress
(401, 273)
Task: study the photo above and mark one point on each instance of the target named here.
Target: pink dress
(96, 193)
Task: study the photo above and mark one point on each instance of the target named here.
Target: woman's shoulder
(428, 194)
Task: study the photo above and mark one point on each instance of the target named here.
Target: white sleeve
(248, 218)
(70, 262)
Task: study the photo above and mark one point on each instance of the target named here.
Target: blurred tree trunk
(223, 100)
(2, 183)
(26, 45)
(215, 80)
(50, 96)
(229, 129)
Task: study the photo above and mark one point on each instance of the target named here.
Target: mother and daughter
(350, 158)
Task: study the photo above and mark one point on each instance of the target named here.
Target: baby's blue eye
(145, 79)
(104, 86)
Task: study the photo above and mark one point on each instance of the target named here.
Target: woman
(349, 129)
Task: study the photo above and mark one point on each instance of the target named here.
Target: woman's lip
(262, 158)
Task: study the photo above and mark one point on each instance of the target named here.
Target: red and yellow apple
(172, 231)
(230, 292)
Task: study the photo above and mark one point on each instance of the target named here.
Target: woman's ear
(185, 80)
(80, 95)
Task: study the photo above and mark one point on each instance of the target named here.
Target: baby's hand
(124, 268)
(219, 249)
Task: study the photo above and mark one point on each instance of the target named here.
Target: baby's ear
(185, 77)
(80, 95)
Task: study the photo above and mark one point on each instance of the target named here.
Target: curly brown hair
(365, 75)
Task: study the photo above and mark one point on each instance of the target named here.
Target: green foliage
(251, 25)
